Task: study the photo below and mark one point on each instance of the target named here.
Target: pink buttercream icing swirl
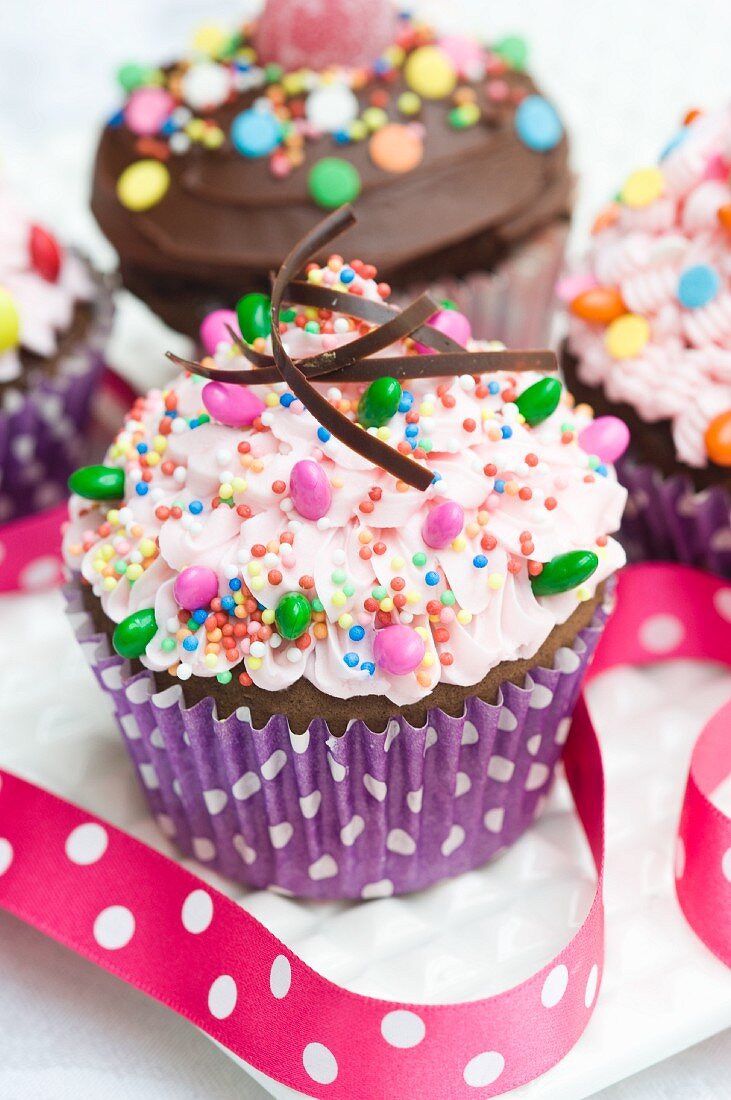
(206, 494)
(682, 373)
(45, 307)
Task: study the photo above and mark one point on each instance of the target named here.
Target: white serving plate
(471, 936)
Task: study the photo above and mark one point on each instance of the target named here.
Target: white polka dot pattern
(86, 844)
(222, 997)
(722, 603)
(554, 986)
(591, 986)
(320, 1063)
(484, 1069)
(6, 854)
(280, 978)
(403, 1029)
(197, 912)
(662, 633)
(114, 927)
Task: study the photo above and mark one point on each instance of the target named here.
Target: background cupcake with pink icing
(55, 316)
(650, 342)
(343, 623)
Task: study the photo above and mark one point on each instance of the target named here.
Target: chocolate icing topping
(349, 362)
(226, 221)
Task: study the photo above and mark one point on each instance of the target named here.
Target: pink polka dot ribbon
(144, 918)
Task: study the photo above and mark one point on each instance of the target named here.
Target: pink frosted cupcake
(650, 342)
(344, 623)
(55, 316)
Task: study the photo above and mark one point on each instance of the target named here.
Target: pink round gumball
(195, 587)
(398, 649)
(213, 329)
(235, 406)
(315, 34)
(147, 110)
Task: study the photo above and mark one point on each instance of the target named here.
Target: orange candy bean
(396, 148)
(600, 304)
(718, 439)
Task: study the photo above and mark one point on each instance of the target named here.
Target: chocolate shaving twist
(351, 362)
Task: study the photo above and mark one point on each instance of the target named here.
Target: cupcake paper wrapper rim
(361, 816)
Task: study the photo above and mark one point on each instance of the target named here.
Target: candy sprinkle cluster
(229, 534)
(651, 308)
(224, 100)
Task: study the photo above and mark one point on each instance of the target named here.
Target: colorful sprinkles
(654, 329)
(379, 105)
(258, 607)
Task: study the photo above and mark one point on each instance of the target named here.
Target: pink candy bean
(310, 489)
(235, 406)
(443, 524)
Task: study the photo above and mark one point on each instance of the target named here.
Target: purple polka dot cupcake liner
(360, 816)
(43, 427)
(513, 304)
(666, 520)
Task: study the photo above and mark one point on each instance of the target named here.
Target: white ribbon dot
(661, 633)
(222, 997)
(87, 843)
(483, 1069)
(554, 986)
(591, 984)
(280, 977)
(197, 912)
(6, 854)
(114, 927)
(403, 1029)
(320, 1063)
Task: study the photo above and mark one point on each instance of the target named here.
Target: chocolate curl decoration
(371, 448)
(352, 362)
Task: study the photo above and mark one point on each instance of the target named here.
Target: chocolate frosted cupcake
(456, 164)
(55, 316)
(345, 612)
(650, 343)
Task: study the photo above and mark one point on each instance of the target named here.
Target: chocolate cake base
(184, 302)
(303, 702)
